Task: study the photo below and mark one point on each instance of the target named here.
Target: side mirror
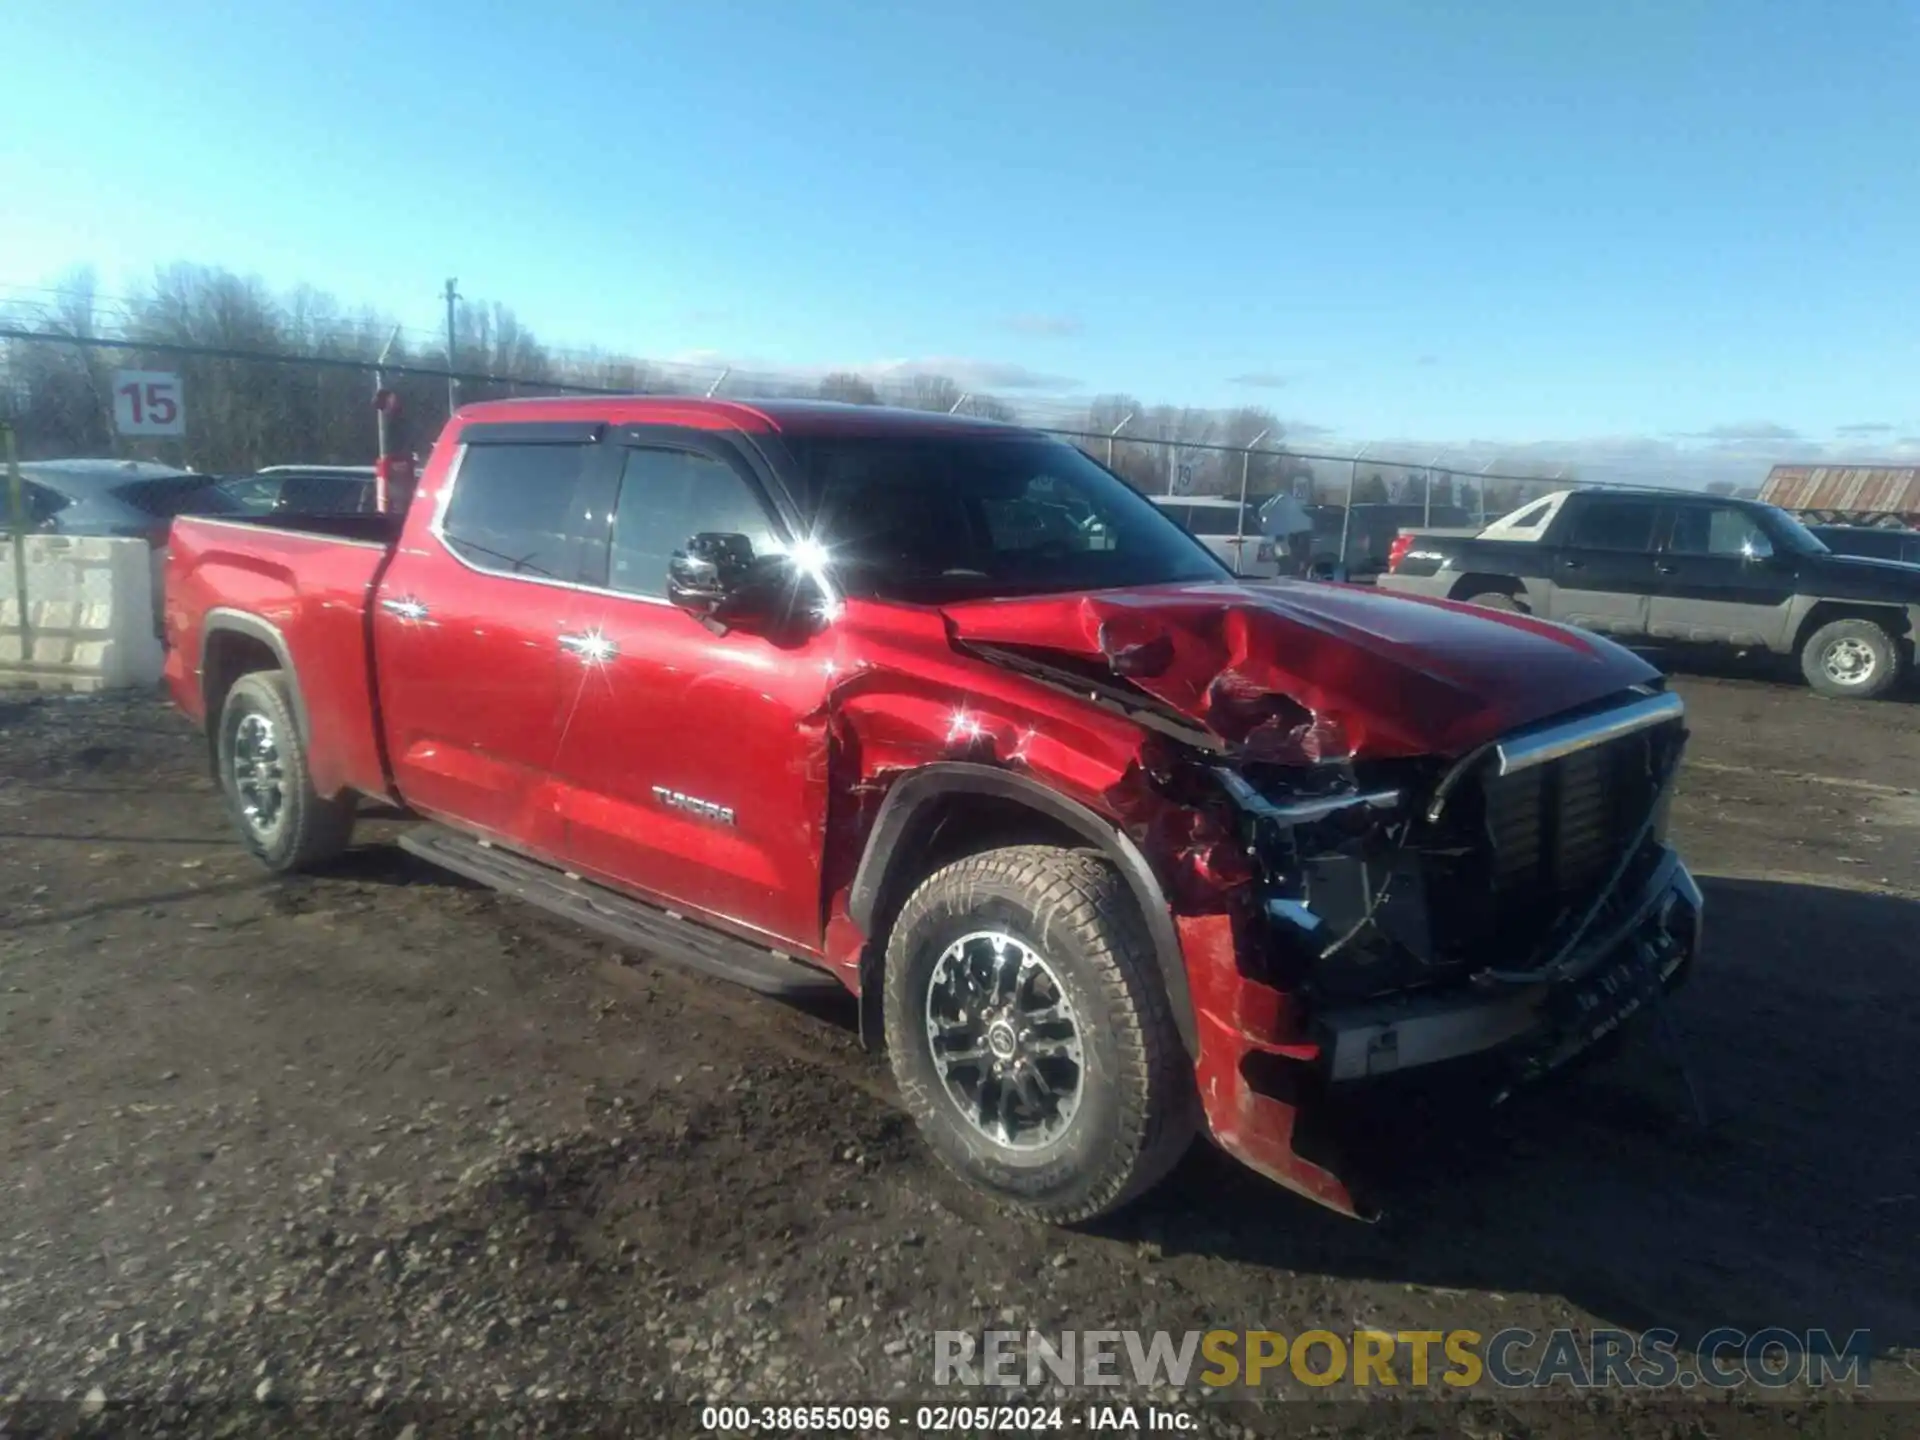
(710, 573)
(719, 581)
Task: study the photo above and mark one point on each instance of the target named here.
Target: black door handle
(1668, 569)
(1574, 564)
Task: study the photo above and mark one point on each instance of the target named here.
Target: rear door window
(1700, 530)
(326, 494)
(1615, 525)
(515, 510)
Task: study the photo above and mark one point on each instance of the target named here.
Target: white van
(1227, 528)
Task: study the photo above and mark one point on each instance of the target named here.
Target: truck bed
(298, 585)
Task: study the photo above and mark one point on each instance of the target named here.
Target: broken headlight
(1344, 895)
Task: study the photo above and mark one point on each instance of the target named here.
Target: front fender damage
(882, 726)
(1286, 759)
(1239, 1017)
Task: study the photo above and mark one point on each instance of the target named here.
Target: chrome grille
(1523, 850)
(1558, 829)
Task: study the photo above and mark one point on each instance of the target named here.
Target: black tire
(1499, 600)
(1136, 1110)
(1851, 659)
(263, 774)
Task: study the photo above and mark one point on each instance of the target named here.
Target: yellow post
(17, 517)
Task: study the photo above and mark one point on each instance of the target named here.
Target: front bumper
(1263, 1060)
(1544, 1024)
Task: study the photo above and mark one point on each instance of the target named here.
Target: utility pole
(453, 385)
(1426, 512)
(17, 524)
(1246, 466)
(380, 384)
(1346, 520)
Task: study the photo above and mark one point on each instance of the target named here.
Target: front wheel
(1850, 658)
(1031, 1036)
(263, 773)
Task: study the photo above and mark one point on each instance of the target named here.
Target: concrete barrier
(90, 620)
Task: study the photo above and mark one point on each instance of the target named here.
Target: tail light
(1397, 551)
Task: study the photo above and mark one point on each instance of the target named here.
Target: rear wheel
(263, 773)
(1499, 600)
(1030, 1034)
(1850, 658)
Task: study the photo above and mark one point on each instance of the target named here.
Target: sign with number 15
(148, 402)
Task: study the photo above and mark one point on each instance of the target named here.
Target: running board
(645, 927)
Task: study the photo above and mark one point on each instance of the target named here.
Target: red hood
(1397, 676)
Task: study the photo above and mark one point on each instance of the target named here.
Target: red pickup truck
(1109, 845)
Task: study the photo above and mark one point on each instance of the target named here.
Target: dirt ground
(377, 1138)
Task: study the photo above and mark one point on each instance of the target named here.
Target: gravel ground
(375, 1149)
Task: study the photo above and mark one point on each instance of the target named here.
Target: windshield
(927, 519)
(1795, 535)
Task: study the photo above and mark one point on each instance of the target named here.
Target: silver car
(125, 498)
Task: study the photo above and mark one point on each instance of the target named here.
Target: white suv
(1227, 528)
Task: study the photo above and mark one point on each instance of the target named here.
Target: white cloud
(966, 372)
(1749, 430)
(1045, 325)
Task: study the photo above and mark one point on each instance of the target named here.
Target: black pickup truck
(1679, 568)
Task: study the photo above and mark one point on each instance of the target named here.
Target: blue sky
(1679, 222)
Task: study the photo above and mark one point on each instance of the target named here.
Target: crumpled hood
(1395, 676)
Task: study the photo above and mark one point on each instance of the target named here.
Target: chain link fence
(247, 408)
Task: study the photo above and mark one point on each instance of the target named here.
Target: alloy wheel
(1849, 661)
(259, 775)
(1005, 1040)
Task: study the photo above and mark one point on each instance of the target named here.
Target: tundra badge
(705, 809)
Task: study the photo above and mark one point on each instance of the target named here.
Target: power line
(158, 347)
(215, 352)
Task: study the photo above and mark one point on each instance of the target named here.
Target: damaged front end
(1393, 834)
(1516, 905)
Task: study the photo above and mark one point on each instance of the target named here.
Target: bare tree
(854, 389)
(57, 396)
(1264, 470)
(1370, 489)
(933, 392)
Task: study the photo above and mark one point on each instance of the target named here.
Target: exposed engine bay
(1374, 876)
(1386, 877)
